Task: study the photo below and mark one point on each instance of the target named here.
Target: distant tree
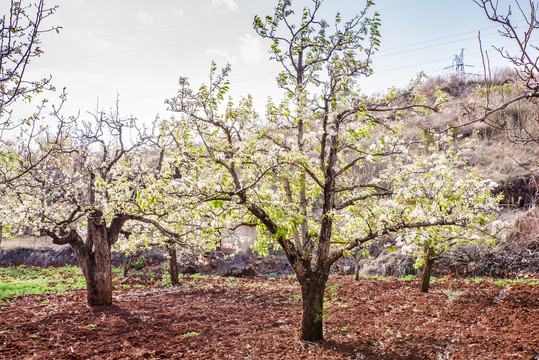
(318, 175)
(448, 189)
(173, 218)
(21, 137)
(84, 195)
(104, 176)
(9, 211)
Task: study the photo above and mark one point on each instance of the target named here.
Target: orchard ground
(210, 317)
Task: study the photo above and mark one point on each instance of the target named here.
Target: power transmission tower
(458, 64)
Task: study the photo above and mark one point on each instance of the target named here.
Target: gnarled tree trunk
(94, 258)
(94, 254)
(96, 268)
(312, 299)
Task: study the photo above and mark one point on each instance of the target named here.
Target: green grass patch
(408, 277)
(24, 280)
(511, 282)
(196, 276)
(504, 282)
(190, 334)
(381, 278)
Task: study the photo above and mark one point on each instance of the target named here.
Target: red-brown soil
(230, 318)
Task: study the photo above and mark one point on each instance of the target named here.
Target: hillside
(503, 148)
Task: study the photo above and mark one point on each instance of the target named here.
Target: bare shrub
(388, 263)
(454, 85)
(516, 256)
(528, 224)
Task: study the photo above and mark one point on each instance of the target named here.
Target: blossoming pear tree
(23, 140)
(22, 150)
(321, 173)
(106, 176)
(83, 195)
(10, 210)
(446, 189)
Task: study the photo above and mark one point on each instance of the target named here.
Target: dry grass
(528, 222)
(498, 150)
(392, 264)
(30, 242)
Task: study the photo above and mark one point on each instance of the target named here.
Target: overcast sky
(139, 48)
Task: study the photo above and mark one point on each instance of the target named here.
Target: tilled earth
(231, 318)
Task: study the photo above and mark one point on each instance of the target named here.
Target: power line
(445, 37)
(267, 75)
(429, 62)
(167, 27)
(430, 46)
(378, 55)
(140, 49)
(441, 38)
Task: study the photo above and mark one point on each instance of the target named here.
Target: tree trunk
(427, 267)
(357, 258)
(94, 260)
(93, 255)
(127, 259)
(312, 297)
(1, 233)
(173, 264)
(97, 274)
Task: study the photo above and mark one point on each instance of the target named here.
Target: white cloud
(230, 4)
(178, 13)
(223, 53)
(146, 17)
(251, 48)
